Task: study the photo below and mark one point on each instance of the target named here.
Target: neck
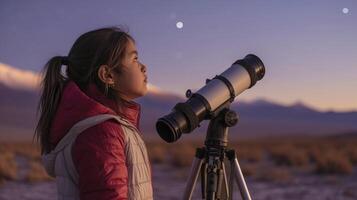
(121, 98)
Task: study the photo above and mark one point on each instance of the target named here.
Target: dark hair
(105, 46)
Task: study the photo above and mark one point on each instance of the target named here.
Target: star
(345, 10)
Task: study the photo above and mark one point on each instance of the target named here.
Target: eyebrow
(133, 52)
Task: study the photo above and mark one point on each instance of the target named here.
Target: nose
(143, 68)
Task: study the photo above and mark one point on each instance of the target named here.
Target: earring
(106, 89)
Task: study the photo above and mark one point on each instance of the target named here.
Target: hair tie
(64, 60)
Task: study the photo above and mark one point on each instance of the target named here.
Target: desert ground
(274, 168)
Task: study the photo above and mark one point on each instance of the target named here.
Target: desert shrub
(281, 175)
(37, 173)
(182, 155)
(333, 162)
(289, 155)
(249, 169)
(29, 150)
(250, 154)
(8, 167)
(314, 153)
(351, 153)
(157, 153)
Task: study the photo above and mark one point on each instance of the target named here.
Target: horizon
(29, 80)
(308, 48)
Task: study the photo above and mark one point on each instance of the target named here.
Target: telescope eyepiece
(257, 64)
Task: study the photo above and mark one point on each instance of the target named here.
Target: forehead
(131, 48)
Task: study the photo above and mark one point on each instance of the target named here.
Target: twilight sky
(309, 48)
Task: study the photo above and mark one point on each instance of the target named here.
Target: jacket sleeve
(99, 156)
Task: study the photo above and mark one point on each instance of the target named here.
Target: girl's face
(131, 81)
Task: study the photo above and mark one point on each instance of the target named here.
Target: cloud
(17, 78)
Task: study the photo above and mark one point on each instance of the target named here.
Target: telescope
(209, 100)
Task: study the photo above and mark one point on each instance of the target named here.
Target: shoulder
(108, 135)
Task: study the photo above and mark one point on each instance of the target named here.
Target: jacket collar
(76, 105)
(130, 110)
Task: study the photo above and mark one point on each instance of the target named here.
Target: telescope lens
(166, 129)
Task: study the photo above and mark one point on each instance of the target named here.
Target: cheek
(135, 78)
(132, 82)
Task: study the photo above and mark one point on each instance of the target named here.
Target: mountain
(298, 119)
(263, 118)
(18, 102)
(17, 112)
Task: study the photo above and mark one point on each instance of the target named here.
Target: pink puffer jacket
(99, 152)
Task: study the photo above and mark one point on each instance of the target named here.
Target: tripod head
(217, 132)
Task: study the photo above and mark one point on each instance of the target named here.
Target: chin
(145, 89)
(142, 93)
(145, 92)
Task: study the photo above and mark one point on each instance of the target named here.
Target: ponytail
(52, 85)
(105, 46)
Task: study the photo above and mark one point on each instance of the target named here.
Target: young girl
(89, 126)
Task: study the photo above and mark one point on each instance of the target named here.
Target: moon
(179, 25)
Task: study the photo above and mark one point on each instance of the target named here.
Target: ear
(105, 75)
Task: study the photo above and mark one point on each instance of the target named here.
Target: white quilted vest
(59, 164)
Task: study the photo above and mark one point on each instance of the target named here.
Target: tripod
(209, 162)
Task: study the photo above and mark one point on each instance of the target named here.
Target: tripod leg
(212, 177)
(225, 182)
(195, 169)
(237, 173)
(203, 180)
(220, 174)
(240, 180)
(231, 179)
